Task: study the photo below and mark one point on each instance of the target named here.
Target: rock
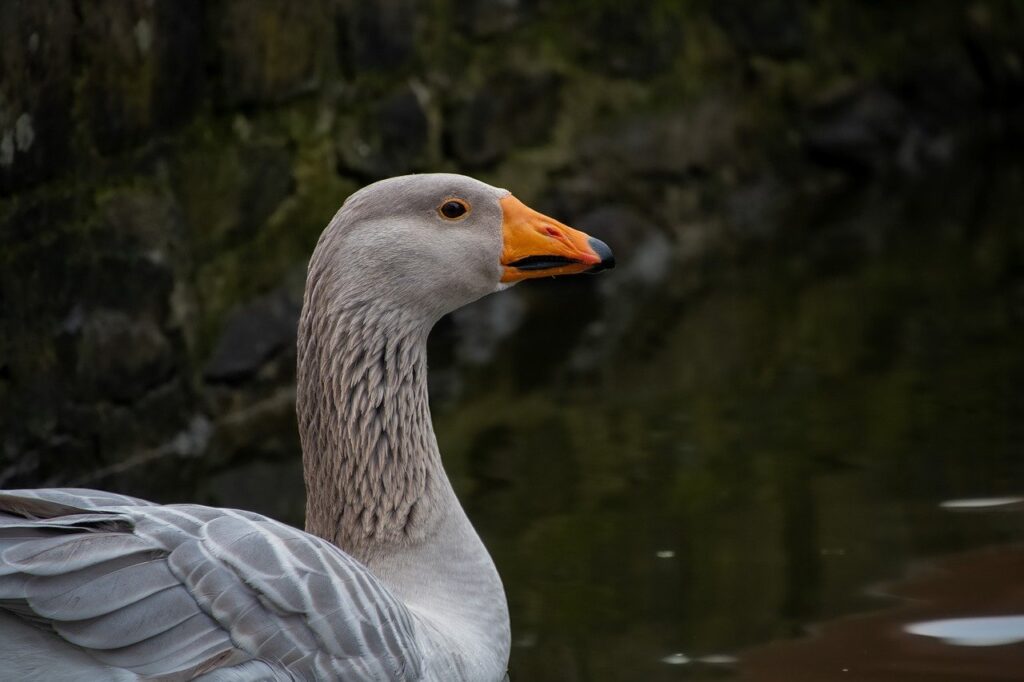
(36, 89)
(754, 210)
(142, 68)
(390, 140)
(141, 246)
(625, 39)
(56, 259)
(254, 424)
(773, 28)
(997, 54)
(490, 17)
(228, 191)
(268, 182)
(270, 51)
(132, 284)
(512, 110)
(252, 335)
(274, 488)
(159, 421)
(377, 36)
(85, 290)
(669, 144)
(177, 39)
(860, 133)
(121, 358)
(144, 222)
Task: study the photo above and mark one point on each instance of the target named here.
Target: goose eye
(453, 209)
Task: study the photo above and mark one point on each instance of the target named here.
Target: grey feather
(251, 671)
(93, 593)
(66, 553)
(165, 590)
(195, 634)
(138, 621)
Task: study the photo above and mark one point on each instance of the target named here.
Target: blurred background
(802, 383)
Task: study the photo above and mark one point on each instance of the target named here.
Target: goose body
(389, 581)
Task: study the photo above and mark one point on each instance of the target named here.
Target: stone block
(511, 110)
(269, 51)
(36, 89)
(377, 36)
(252, 334)
(142, 68)
(389, 139)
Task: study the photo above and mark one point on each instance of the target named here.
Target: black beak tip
(604, 253)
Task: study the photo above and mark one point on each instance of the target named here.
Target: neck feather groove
(373, 472)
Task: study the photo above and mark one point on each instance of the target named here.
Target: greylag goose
(390, 581)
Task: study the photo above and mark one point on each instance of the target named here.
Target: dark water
(688, 458)
(716, 459)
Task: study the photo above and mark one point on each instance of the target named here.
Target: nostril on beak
(604, 253)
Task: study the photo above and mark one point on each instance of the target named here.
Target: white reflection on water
(680, 658)
(981, 502)
(989, 631)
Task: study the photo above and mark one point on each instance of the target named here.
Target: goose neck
(373, 471)
(376, 486)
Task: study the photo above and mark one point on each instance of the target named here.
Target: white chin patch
(504, 285)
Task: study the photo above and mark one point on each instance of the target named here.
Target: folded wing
(179, 591)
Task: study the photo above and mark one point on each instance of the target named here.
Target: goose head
(432, 243)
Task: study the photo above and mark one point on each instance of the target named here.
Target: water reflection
(982, 503)
(786, 425)
(948, 621)
(680, 658)
(992, 631)
(980, 587)
(708, 458)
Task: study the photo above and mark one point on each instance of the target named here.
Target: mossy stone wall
(166, 167)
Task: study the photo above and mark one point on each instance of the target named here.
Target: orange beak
(535, 245)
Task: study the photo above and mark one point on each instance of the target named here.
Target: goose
(389, 581)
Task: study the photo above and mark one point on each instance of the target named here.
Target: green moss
(208, 178)
(284, 243)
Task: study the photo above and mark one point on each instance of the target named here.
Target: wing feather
(92, 593)
(187, 644)
(131, 624)
(178, 590)
(65, 553)
(72, 498)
